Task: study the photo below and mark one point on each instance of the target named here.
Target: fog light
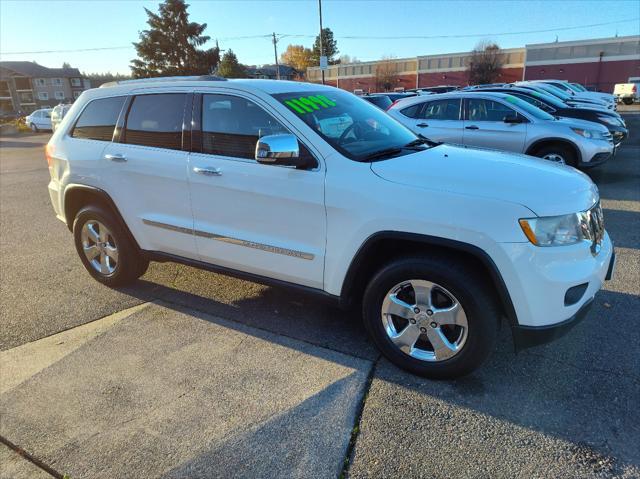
(574, 294)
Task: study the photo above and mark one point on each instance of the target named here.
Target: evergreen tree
(170, 45)
(330, 47)
(230, 67)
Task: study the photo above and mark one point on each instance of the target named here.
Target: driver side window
(231, 126)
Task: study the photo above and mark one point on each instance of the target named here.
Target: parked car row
(324, 192)
(538, 118)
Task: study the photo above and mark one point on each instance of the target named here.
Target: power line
(350, 37)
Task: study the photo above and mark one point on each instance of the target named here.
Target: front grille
(595, 220)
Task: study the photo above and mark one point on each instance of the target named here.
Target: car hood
(546, 188)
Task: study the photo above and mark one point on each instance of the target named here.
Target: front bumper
(595, 152)
(528, 336)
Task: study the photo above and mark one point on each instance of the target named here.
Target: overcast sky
(31, 26)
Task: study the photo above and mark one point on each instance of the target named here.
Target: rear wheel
(558, 153)
(105, 249)
(431, 316)
(627, 101)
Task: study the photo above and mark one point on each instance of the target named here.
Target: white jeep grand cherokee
(309, 186)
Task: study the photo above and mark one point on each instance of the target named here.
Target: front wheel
(431, 316)
(558, 154)
(34, 128)
(105, 249)
(627, 101)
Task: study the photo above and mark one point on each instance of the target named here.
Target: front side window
(231, 126)
(351, 125)
(98, 120)
(532, 110)
(156, 120)
(442, 110)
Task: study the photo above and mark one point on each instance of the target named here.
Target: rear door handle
(422, 125)
(207, 171)
(116, 157)
(472, 127)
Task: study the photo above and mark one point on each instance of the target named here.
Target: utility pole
(321, 40)
(275, 52)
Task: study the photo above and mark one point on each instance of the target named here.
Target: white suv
(309, 186)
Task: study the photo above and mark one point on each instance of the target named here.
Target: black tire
(564, 151)
(131, 264)
(465, 284)
(34, 128)
(627, 101)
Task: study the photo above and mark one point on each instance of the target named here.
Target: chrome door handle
(208, 171)
(117, 158)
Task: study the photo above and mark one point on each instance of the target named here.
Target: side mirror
(282, 150)
(512, 119)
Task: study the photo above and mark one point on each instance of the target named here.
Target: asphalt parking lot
(192, 374)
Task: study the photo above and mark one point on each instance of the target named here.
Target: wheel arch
(77, 197)
(536, 145)
(384, 246)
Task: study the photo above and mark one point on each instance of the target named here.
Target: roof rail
(164, 79)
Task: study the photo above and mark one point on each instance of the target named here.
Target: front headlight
(591, 134)
(557, 230)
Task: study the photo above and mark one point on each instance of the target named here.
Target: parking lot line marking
(25, 361)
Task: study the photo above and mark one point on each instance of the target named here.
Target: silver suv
(504, 122)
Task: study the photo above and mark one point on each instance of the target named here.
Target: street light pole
(275, 52)
(321, 41)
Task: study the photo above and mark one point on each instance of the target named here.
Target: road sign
(323, 63)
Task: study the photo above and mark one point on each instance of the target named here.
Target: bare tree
(485, 63)
(386, 76)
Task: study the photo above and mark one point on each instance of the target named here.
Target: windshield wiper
(382, 154)
(422, 140)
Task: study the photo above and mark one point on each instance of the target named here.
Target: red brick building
(598, 64)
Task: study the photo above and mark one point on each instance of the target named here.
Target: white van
(626, 93)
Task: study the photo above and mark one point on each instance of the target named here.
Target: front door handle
(118, 158)
(472, 127)
(422, 125)
(207, 171)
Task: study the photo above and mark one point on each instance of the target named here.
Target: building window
(41, 82)
(22, 83)
(59, 95)
(56, 81)
(25, 97)
(4, 89)
(43, 95)
(76, 94)
(76, 82)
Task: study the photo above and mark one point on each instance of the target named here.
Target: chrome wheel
(99, 247)
(555, 157)
(424, 320)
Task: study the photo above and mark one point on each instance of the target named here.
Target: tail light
(634, 88)
(48, 153)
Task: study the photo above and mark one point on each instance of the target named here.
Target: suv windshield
(534, 111)
(351, 125)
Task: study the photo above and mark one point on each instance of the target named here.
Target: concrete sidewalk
(167, 392)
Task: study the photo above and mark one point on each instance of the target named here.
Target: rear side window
(383, 102)
(442, 110)
(156, 120)
(98, 120)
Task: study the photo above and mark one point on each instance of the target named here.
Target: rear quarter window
(412, 111)
(98, 120)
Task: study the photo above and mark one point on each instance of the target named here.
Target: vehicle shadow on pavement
(278, 310)
(582, 388)
(623, 227)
